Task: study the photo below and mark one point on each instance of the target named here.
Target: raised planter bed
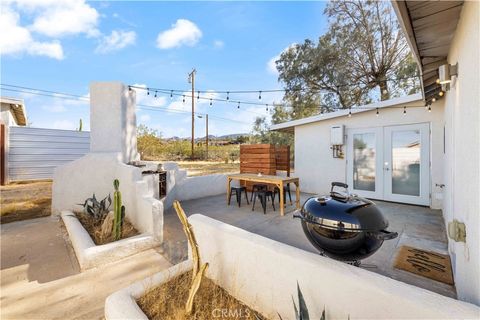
(90, 255)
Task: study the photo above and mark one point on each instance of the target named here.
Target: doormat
(425, 263)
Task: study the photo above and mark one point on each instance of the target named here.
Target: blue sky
(64, 45)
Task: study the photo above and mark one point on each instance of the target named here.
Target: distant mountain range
(214, 137)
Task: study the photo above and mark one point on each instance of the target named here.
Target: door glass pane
(364, 161)
(406, 162)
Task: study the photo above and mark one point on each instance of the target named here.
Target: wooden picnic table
(278, 181)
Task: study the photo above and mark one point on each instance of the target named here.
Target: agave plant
(301, 313)
(95, 208)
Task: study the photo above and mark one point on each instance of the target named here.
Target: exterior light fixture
(377, 114)
(446, 72)
(404, 111)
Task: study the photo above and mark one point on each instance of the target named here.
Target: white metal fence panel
(34, 153)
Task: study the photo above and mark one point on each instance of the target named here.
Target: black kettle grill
(342, 226)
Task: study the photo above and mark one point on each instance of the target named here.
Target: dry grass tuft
(94, 229)
(211, 301)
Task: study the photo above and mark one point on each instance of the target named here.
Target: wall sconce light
(446, 72)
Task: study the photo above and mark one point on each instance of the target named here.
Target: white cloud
(64, 125)
(149, 99)
(16, 39)
(182, 32)
(66, 17)
(56, 108)
(117, 40)
(271, 65)
(145, 118)
(219, 44)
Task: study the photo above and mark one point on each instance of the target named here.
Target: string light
(155, 93)
(198, 95)
(183, 99)
(350, 113)
(266, 107)
(238, 106)
(228, 98)
(210, 102)
(171, 94)
(259, 95)
(148, 92)
(441, 93)
(434, 99)
(429, 108)
(404, 111)
(129, 88)
(377, 113)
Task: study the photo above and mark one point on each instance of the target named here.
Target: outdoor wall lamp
(446, 72)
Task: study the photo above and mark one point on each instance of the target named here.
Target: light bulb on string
(155, 93)
(210, 102)
(238, 106)
(441, 93)
(171, 94)
(259, 95)
(129, 88)
(429, 108)
(183, 99)
(405, 111)
(266, 107)
(228, 93)
(349, 113)
(377, 113)
(148, 92)
(434, 99)
(198, 95)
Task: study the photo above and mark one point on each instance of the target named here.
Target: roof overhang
(17, 108)
(429, 27)
(290, 125)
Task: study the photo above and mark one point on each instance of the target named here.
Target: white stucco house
(12, 112)
(429, 155)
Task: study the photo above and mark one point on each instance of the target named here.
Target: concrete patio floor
(419, 227)
(40, 277)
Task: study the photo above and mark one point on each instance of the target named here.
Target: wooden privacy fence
(263, 158)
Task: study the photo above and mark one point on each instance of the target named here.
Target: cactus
(117, 211)
(80, 125)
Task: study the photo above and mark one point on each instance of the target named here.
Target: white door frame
(378, 193)
(424, 197)
(383, 173)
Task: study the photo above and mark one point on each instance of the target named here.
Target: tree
(149, 142)
(363, 49)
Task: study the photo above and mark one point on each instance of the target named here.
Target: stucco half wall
(264, 273)
(316, 167)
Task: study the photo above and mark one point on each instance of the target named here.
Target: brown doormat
(425, 263)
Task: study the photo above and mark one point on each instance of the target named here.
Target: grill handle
(386, 235)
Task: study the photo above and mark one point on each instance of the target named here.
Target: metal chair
(263, 195)
(238, 193)
(286, 189)
(258, 187)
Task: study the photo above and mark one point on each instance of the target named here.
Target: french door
(390, 163)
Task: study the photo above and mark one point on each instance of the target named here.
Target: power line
(74, 97)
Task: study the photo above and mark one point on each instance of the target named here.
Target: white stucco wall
(462, 159)
(316, 167)
(264, 273)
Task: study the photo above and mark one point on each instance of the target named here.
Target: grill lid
(347, 213)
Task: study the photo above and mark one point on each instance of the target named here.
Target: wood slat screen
(263, 158)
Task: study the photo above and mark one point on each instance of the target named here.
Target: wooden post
(206, 155)
(2, 154)
(191, 79)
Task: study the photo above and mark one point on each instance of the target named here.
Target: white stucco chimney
(112, 120)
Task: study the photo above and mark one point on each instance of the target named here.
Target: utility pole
(206, 129)
(191, 79)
